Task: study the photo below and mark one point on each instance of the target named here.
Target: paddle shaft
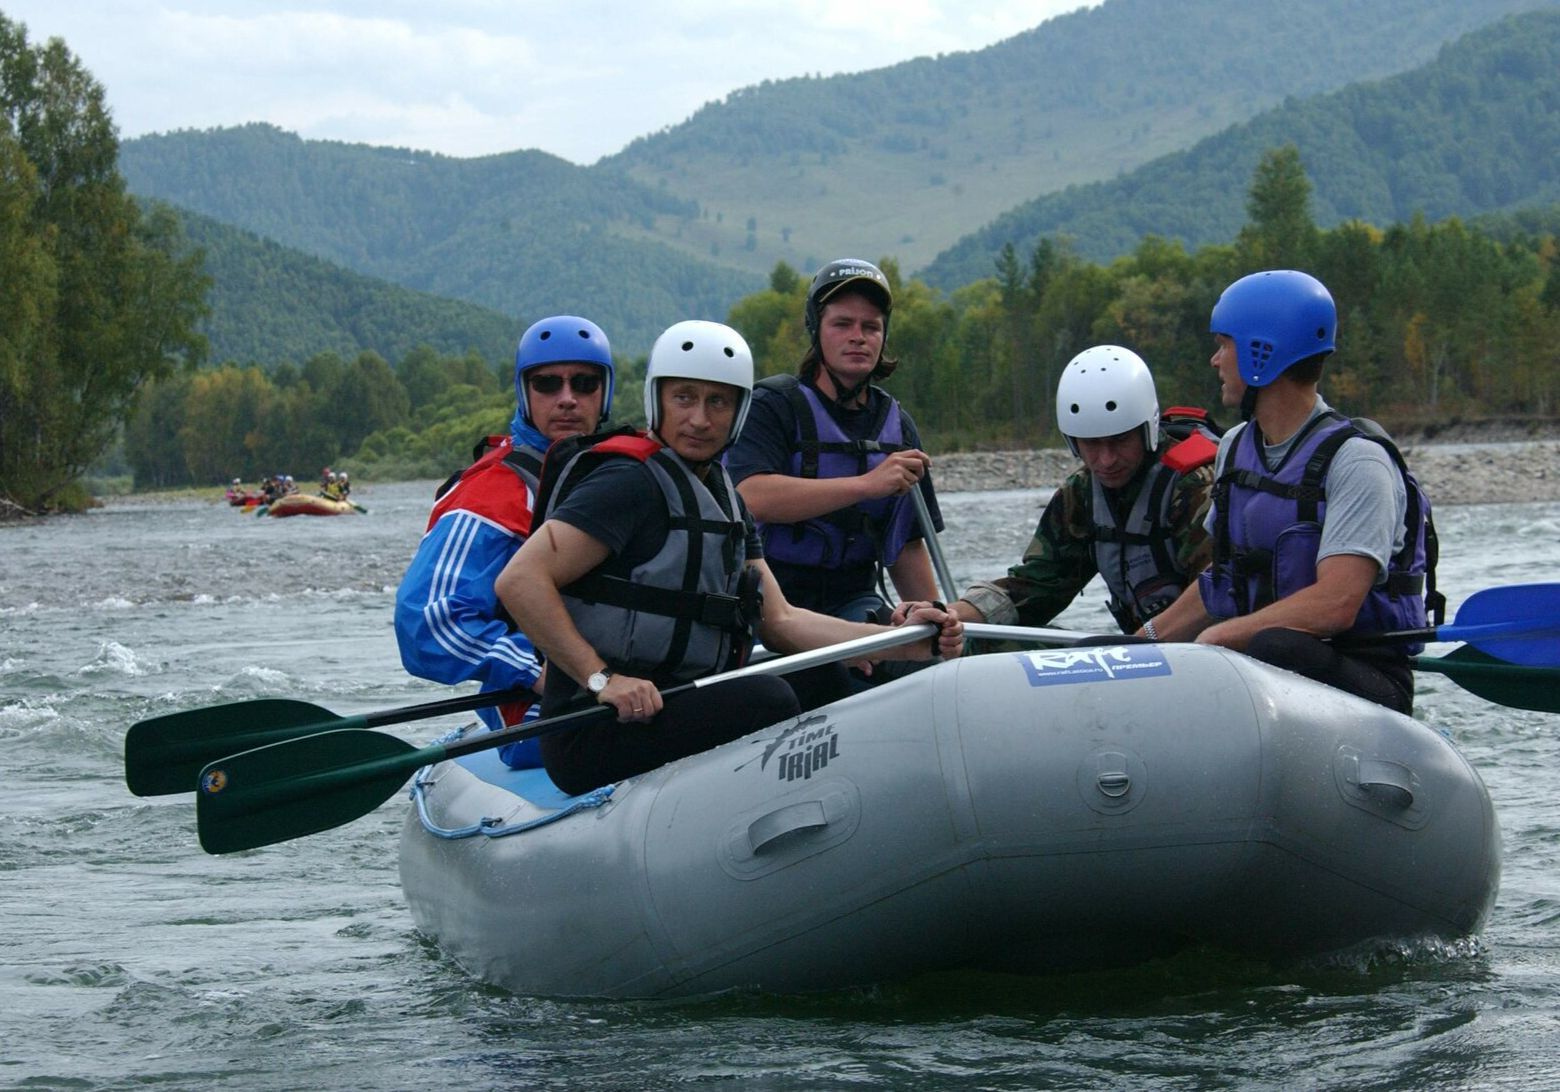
(933, 544)
(784, 665)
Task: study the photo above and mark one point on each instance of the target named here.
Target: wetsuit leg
(1383, 678)
(606, 750)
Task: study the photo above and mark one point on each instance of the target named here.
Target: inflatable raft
(300, 504)
(1028, 812)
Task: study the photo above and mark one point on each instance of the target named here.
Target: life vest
(872, 531)
(1270, 551)
(1137, 555)
(691, 608)
(525, 462)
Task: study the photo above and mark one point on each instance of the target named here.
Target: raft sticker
(803, 749)
(1096, 663)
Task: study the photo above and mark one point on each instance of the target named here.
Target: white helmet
(700, 350)
(1105, 391)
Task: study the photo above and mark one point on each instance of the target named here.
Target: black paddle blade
(1515, 685)
(166, 754)
(300, 787)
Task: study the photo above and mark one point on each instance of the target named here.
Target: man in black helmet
(828, 459)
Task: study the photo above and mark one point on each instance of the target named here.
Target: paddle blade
(1514, 685)
(289, 790)
(1518, 623)
(166, 754)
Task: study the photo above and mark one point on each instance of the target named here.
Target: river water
(129, 958)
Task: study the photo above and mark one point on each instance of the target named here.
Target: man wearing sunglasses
(449, 623)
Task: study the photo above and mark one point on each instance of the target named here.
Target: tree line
(1435, 320)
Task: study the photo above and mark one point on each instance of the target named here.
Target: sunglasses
(581, 383)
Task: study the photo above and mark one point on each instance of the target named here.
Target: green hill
(899, 161)
(524, 234)
(1477, 130)
(271, 303)
(906, 160)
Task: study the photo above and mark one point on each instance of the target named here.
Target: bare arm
(556, 555)
(1184, 619)
(781, 498)
(788, 628)
(912, 573)
(1324, 608)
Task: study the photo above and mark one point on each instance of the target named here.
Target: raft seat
(538, 801)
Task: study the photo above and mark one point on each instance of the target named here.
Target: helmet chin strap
(1248, 403)
(843, 395)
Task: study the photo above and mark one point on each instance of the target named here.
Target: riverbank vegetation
(1438, 323)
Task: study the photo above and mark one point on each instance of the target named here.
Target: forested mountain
(272, 304)
(1476, 130)
(525, 234)
(904, 160)
(900, 161)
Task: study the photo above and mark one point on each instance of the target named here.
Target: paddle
(359, 507)
(1518, 623)
(933, 546)
(166, 754)
(303, 786)
(1519, 686)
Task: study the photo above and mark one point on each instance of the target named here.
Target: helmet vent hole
(728, 351)
(687, 346)
(544, 335)
(1110, 406)
(1074, 408)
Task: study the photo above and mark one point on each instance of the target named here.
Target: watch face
(597, 682)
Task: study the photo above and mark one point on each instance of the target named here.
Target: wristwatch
(598, 681)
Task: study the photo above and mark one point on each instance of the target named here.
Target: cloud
(476, 77)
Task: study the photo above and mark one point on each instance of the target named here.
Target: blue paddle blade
(1518, 623)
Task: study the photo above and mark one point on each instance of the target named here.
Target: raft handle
(1387, 782)
(766, 830)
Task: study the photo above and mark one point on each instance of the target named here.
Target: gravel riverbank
(1483, 472)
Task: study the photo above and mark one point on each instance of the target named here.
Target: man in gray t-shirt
(1294, 565)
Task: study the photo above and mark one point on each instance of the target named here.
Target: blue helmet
(1276, 318)
(562, 339)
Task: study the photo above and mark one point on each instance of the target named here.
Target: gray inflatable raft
(1024, 812)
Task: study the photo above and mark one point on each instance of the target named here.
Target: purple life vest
(872, 531)
(1268, 528)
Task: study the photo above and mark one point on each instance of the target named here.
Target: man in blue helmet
(828, 458)
(1319, 530)
(449, 623)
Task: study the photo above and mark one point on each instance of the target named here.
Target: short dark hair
(1308, 370)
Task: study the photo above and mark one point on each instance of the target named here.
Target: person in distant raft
(828, 458)
(1133, 513)
(449, 623)
(1319, 529)
(648, 572)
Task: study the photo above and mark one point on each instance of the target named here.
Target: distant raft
(300, 504)
(1032, 812)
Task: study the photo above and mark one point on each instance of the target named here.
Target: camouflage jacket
(1060, 559)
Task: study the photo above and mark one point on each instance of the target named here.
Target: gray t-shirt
(1366, 498)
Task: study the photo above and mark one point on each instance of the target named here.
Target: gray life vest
(688, 610)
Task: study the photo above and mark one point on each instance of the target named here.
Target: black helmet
(833, 278)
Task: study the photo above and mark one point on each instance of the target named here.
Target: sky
(577, 78)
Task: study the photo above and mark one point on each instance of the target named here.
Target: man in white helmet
(1133, 513)
(648, 572)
